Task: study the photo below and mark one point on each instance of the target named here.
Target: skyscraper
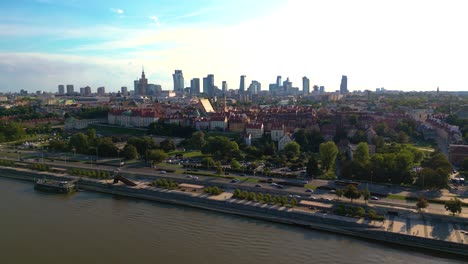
(124, 90)
(141, 85)
(287, 85)
(322, 89)
(305, 85)
(70, 89)
(344, 85)
(101, 91)
(195, 86)
(278, 81)
(224, 87)
(316, 89)
(208, 85)
(242, 84)
(178, 78)
(61, 89)
(255, 87)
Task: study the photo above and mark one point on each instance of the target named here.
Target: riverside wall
(330, 223)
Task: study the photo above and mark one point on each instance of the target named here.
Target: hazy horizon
(399, 45)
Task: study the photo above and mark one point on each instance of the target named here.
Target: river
(87, 227)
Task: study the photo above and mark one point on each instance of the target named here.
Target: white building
(283, 142)
(255, 130)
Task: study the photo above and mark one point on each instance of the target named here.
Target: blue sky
(404, 45)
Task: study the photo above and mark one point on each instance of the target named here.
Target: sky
(411, 45)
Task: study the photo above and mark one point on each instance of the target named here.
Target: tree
(208, 162)
(328, 152)
(219, 168)
(167, 145)
(283, 200)
(312, 166)
(198, 140)
(366, 194)
(421, 203)
(107, 148)
(292, 150)
(454, 206)
(79, 141)
(403, 137)
(361, 155)
(293, 202)
(235, 164)
(339, 193)
(129, 152)
(237, 193)
(351, 192)
(157, 155)
(221, 148)
(360, 212)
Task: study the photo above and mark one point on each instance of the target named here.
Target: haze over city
(399, 45)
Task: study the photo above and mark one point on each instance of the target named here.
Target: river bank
(330, 223)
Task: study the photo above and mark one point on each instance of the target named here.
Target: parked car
(309, 190)
(258, 185)
(375, 198)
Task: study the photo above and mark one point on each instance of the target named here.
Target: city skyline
(396, 45)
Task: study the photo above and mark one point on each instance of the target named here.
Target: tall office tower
(210, 87)
(224, 87)
(70, 89)
(87, 91)
(82, 91)
(178, 78)
(316, 89)
(287, 85)
(142, 84)
(124, 90)
(278, 81)
(101, 91)
(242, 84)
(61, 89)
(305, 85)
(322, 89)
(344, 85)
(254, 87)
(195, 86)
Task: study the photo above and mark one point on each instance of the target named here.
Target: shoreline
(327, 223)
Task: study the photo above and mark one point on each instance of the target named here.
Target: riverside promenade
(444, 234)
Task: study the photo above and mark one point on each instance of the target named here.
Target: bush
(165, 184)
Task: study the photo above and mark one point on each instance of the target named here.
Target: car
(242, 174)
(235, 180)
(332, 191)
(195, 177)
(258, 185)
(274, 184)
(313, 197)
(296, 196)
(226, 173)
(328, 199)
(280, 186)
(375, 198)
(309, 190)
(163, 172)
(189, 176)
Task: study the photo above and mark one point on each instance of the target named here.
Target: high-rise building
(344, 85)
(242, 84)
(101, 90)
(208, 85)
(224, 87)
(322, 89)
(278, 81)
(61, 89)
(124, 90)
(70, 89)
(305, 85)
(255, 87)
(287, 85)
(141, 85)
(316, 89)
(178, 78)
(82, 91)
(87, 91)
(195, 86)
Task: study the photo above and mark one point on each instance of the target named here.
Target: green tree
(293, 202)
(260, 197)
(454, 206)
(79, 141)
(366, 194)
(219, 168)
(129, 152)
(157, 155)
(167, 145)
(360, 212)
(292, 150)
(361, 155)
(268, 198)
(198, 140)
(312, 166)
(328, 152)
(107, 148)
(208, 162)
(351, 192)
(235, 164)
(421, 203)
(339, 193)
(221, 148)
(237, 193)
(283, 200)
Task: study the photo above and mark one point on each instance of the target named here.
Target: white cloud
(117, 11)
(155, 20)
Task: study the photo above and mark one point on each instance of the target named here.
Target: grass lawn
(310, 186)
(187, 154)
(116, 130)
(396, 197)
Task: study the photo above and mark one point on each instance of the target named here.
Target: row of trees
(166, 184)
(264, 198)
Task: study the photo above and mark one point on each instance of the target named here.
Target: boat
(55, 186)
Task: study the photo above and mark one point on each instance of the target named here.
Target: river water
(87, 227)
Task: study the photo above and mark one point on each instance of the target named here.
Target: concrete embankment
(331, 223)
